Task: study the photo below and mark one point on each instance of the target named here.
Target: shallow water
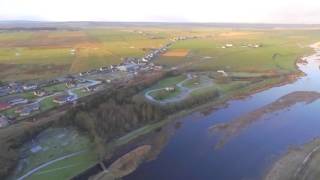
(195, 152)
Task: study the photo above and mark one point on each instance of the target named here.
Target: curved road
(185, 92)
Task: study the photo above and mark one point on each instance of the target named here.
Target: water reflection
(250, 133)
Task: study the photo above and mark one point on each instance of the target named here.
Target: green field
(280, 49)
(163, 94)
(55, 143)
(168, 82)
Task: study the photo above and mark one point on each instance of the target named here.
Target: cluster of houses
(132, 64)
(28, 109)
(11, 88)
(20, 87)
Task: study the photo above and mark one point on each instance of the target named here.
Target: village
(21, 100)
(24, 99)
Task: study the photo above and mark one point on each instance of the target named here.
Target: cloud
(270, 11)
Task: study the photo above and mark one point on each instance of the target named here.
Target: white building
(222, 72)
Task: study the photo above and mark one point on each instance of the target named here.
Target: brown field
(49, 40)
(176, 53)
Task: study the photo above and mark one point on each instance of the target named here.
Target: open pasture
(278, 51)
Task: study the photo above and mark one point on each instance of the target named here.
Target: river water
(249, 149)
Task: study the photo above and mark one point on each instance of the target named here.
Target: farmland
(46, 54)
(202, 66)
(278, 52)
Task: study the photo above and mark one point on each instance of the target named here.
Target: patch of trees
(113, 113)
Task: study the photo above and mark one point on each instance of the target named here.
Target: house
(158, 68)
(4, 106)
(71, 84)
(103, 69)
(91, 88)
(257, 46)
(4, 92)
(3, 121)
(128, 67)
(223, 73)
(39, 93)
(170, 89)
(229, 45)
(25, 112)
(28, 87)
(72, 51)
(62, 99)
(17, 100)
(145, 60)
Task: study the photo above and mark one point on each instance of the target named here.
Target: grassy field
(55, 143)
(168, 82)
(164, 94)
(280, 49)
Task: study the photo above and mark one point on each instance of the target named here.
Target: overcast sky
(250, 11)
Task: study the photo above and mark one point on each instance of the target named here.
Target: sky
(236, 11)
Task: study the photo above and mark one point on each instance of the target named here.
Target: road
(185, 92)
(70, 91)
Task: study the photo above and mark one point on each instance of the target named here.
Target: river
(241, 149)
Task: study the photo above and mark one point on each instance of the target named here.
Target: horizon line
(165, 22)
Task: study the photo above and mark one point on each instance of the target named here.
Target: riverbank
(238, 94)
(298, 164)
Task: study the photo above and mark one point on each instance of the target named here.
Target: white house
(222, 72)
